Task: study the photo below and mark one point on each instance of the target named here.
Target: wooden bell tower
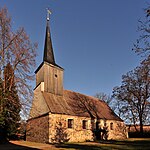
(49, 73)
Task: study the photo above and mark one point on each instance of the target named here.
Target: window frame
(70, 123)
(111, 126)
(84, 124)
(105, 123)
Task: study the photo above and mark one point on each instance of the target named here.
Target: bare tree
(134, 95)
(107, 99)
(104, 97)
(17, 49)
(17, 55)
(142, 45)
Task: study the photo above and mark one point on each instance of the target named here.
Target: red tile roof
(76, 104)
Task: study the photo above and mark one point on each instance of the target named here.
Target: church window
(111, 126)
(70, 123)
(93, 124)
(105, 124)
(84, 124)
(56, 75)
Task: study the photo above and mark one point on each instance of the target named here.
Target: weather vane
(48, 13)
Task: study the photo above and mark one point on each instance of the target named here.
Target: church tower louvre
(49, 74)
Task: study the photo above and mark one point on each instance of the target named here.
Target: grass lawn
(129, 144)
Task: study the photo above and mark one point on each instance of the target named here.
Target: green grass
(129, 144)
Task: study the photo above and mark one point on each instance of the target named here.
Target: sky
(92, 39)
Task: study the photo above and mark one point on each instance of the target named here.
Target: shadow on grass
(79, 146)
(135, 144)
(108, 145)
(11, 146)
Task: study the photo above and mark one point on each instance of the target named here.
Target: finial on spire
(48, 14)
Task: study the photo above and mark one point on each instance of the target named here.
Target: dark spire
(48, 49)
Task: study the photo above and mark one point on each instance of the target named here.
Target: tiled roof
(76, 104)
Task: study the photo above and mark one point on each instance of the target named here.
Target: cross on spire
(48, 13)
(48, 48)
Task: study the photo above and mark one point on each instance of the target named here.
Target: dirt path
(128, 144)
(24, 145)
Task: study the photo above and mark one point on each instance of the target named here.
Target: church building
(59, 115)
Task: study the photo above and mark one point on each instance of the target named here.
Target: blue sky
(92, 39)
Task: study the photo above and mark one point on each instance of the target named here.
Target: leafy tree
(2, 118)
(17, 60)
(10, 105)
(134, 95)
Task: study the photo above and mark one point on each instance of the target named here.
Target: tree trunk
(3, 136)
(141, 127)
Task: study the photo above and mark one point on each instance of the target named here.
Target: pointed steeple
(48, 48)
(49, 75)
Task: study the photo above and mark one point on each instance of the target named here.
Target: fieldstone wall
(37, 129)
(116, 129)
(53, 128)
(59, 131)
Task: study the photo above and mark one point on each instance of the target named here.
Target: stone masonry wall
(119, 130)
(53, 128)
(116, 129)
(38, 129)
(59, 130)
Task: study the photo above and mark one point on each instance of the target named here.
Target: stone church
(59, 115)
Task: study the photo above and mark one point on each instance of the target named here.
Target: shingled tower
(49, 74)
